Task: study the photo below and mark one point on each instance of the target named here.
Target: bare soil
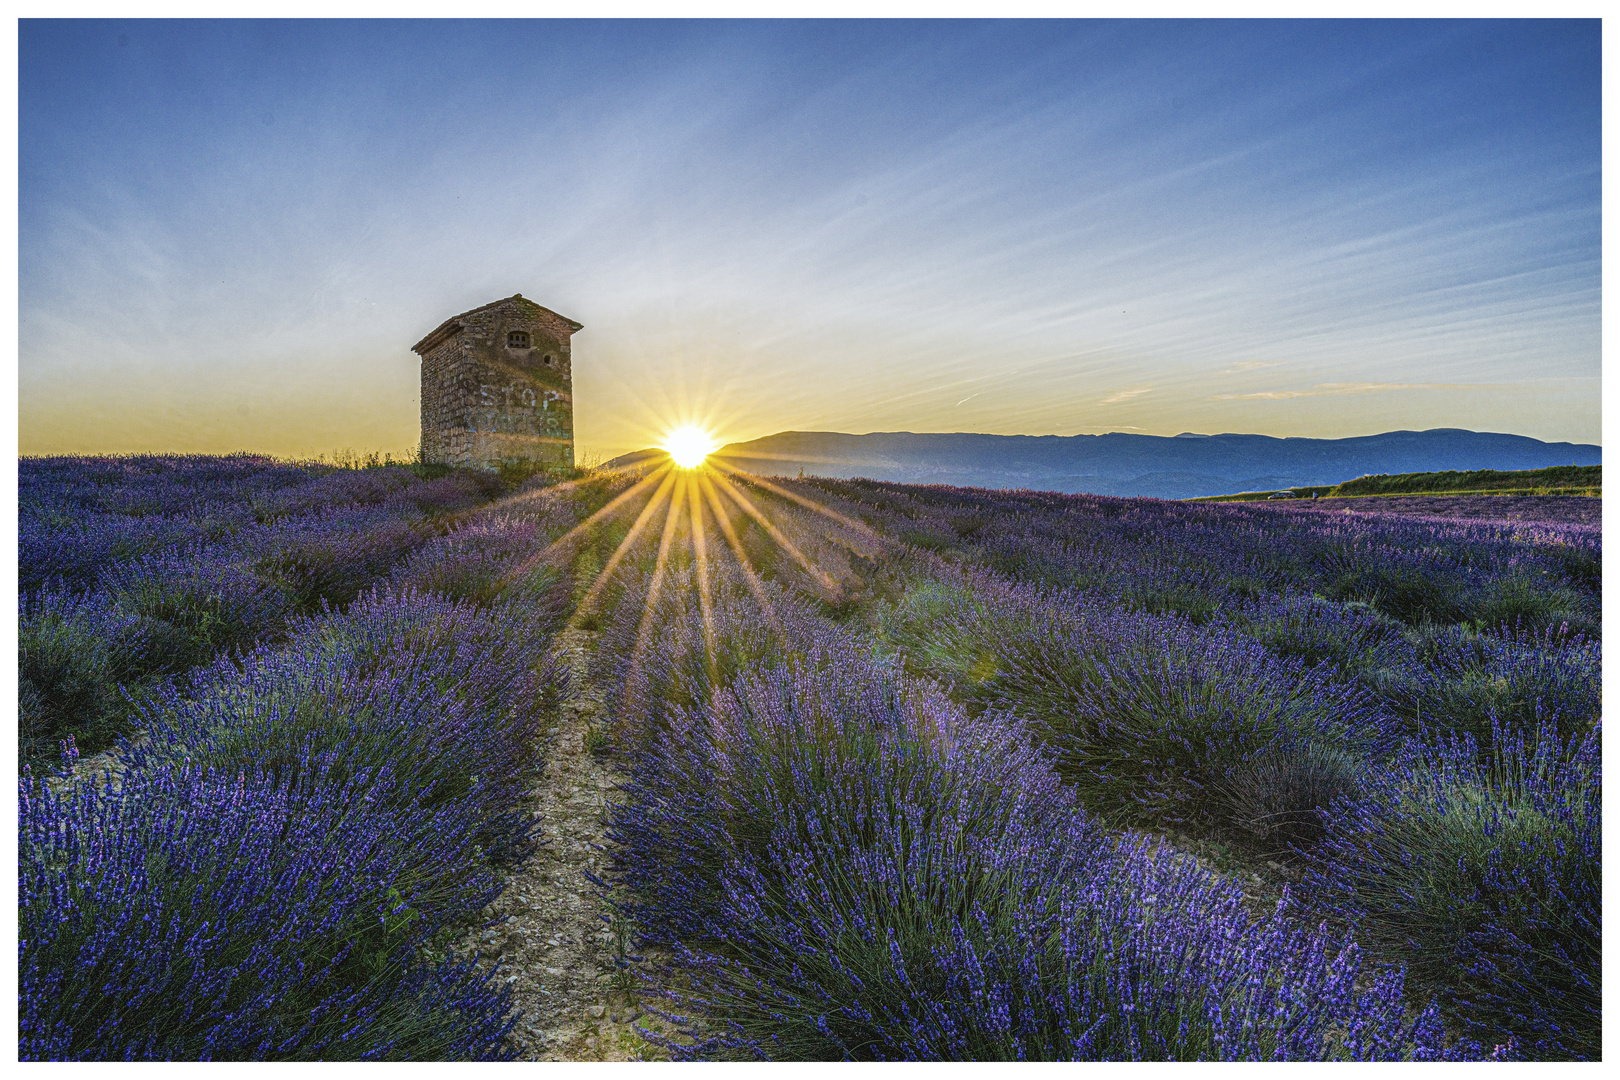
(552, 933)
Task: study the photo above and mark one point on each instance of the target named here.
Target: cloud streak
(1337, 389)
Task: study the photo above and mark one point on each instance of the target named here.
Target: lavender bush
(227, 915)
(851, 868)
(1153, 721)
(1523, 602)
(210, 554)
(1459, 681)
(70, 551)
(1152, 718)
(77, 655)
(321, 816)
(446, 697)
(76, 516)
(1486, 878)
(210, 604)
(1351, 638)
(332, 557)
(686, 660)
(489, 558)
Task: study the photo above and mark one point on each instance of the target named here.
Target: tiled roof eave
(446, 328)
(453, 324)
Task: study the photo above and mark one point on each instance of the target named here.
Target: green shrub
(943, 632)
(1486, 880)
(76, 656)
(1152, 720)
(1533, 605)
(1409, 594)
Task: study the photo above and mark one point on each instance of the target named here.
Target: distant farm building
(497, 388)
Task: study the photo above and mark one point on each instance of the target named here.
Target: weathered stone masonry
(497, 387)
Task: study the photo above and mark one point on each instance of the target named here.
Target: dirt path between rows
(554, 945)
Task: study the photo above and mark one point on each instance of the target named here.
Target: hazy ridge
(1169, 467)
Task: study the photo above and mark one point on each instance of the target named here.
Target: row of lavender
(852, 865)
(305, 827)
(133, 570)
(1474, 859)
(1313, 689)
(1195, 558)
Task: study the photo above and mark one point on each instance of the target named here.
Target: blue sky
(230, 233)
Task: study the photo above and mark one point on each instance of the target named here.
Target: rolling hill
(1166, 467)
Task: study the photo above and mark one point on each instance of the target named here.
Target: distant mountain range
(1165, 467)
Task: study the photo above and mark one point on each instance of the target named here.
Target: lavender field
(902, 773)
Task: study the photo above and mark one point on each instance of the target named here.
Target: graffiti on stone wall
(518, 410)
(513, 422)
(516, 394)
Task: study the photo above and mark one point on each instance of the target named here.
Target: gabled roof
(453, 324)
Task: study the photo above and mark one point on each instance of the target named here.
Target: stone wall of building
(497, 388)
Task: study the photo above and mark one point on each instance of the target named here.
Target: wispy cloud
(1333, 389)
(1250, 365)
(1125, 395)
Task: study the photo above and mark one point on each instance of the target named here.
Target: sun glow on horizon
(689, 445)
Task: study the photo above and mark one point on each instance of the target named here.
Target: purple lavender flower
(851, 868)
(227, 915)
(1485, 876)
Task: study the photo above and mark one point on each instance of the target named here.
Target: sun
(689, 445)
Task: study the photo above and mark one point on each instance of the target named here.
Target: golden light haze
(636, 382)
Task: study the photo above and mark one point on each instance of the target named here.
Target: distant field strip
(1559, 480)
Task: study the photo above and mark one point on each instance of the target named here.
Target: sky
(231, 233)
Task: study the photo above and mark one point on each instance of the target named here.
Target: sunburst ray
(588, 601)
(552, 490)
(611, 508)
(655, 587)
(771, 530)
(793, 496)
(727, 530)
(700, 551)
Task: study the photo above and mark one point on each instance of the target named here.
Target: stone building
(497, 387)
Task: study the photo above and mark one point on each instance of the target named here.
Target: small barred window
(517, 339)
